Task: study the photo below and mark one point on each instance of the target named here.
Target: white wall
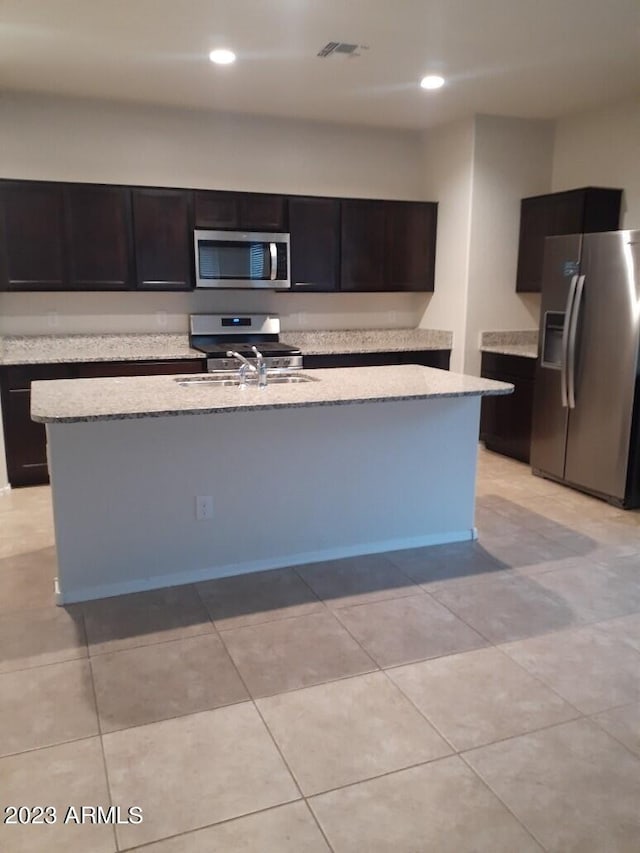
(602, 148)
(512, 159)
(99, 141)
(479, 170)
(448, 173)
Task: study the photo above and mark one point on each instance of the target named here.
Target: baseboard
(71, 596)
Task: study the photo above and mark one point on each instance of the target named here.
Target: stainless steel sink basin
(221, 380)
(282, 378)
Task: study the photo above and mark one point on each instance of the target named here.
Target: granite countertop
(368, 340)
(523, 344)
(59, 349)
(73, 400)
(53, 349)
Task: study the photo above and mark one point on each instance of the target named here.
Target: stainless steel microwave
(241, 259)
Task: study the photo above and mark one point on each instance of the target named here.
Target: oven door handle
(274, 260)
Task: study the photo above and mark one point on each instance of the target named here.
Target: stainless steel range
(228, 340)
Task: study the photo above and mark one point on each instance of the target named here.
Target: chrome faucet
(244, 367)
(262, 368)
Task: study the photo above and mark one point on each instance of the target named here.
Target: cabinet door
(572, 212)
(25, 440)
(601, 209)
(262, 212)
(217, 209)
(363, 245)
(505, 421)
(568, 213)
(240, 211)
(315, 243)
(99, 230)
(410, 245)
(536, 223)
(162, 239)
(32, 225)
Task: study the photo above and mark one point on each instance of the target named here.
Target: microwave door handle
(565, 342)
(274, 260)
(571, 353)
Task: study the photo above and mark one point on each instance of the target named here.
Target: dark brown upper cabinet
(250, 211)
(363, 245)
(59, 236)
(410, 240)
(99, 237)
(388, 245)
(32, 224)
(162, 239)
(580, 211)
(315, 243)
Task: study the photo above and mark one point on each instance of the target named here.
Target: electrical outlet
(161, 319)
(204, 508)
(52, 319)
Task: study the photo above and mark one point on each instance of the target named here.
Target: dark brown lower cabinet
(25, 440)
(505, 422)
(428, 358)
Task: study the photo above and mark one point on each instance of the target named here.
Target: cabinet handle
(306, 284)
(274, 260)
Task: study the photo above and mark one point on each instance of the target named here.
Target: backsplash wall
(76, 313)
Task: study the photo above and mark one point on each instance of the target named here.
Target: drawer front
(140, 368)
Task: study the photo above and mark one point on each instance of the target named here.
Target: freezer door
(606, 322)
(550, 411)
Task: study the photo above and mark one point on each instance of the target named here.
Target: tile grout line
(269, 732)
(148, 645)
(538, 678)
(292, 774)
(500, 800)
(226, 820)
(100, 733)
(592, 719)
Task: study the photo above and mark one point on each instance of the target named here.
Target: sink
(221, 380)
(282, 378)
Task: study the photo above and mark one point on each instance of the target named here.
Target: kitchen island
(352, 461)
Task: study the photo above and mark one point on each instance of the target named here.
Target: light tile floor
(479, 697)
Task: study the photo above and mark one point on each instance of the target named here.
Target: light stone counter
(59, 349)
(368, 340)
(74, 400)
(524, 351)
(523, 344)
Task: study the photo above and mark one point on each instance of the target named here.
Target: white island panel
(289, 486)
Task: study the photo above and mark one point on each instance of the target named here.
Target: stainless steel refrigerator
(585, 418)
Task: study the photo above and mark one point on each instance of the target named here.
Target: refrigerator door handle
(571, 354)
(565, 342)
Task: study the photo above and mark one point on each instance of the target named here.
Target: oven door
(233, 259)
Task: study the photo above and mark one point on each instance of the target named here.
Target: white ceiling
(529, 58)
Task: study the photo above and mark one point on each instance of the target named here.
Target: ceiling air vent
(339, 48)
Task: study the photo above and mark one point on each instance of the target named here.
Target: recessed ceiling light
(222, 57)
(432, 81)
